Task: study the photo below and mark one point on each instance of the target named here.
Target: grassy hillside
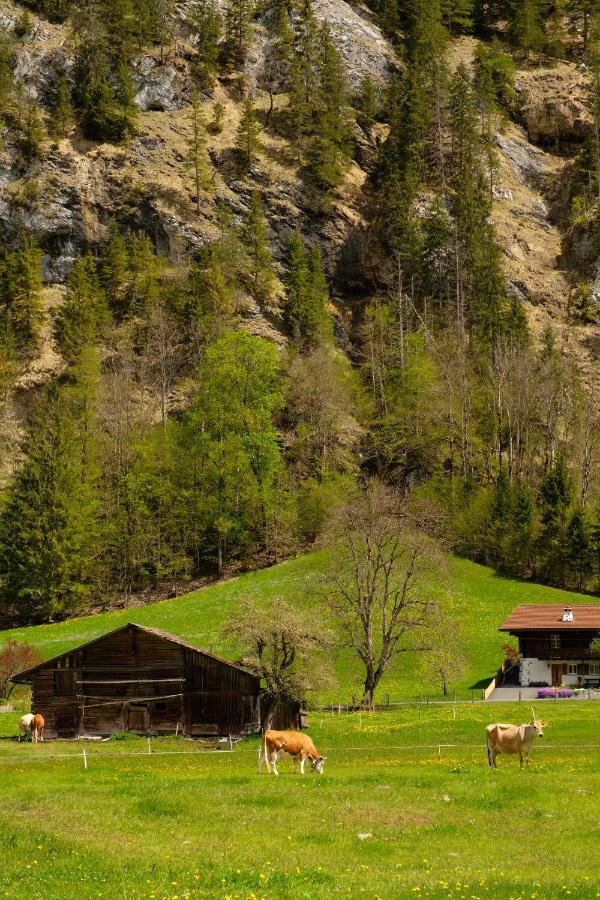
(483, 599)
(191, 824)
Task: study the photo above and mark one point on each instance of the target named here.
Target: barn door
(66, 723)
(138, 719)
(557, 672)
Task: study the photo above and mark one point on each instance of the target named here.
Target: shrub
(14, 657)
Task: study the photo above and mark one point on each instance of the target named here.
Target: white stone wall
(531, 669)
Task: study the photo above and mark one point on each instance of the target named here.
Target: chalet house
(554, 644)
(146, 681)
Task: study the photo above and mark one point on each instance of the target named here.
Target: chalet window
(555, 641)
(594, 668)
(571, 668)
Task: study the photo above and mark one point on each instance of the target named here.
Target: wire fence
(85, 757)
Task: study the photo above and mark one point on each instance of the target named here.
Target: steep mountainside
(284, 248)
(68, 198)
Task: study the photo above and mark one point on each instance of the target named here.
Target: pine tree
(248, 141)
(367, 103)
(305, 294)
(215, 126)
(33, 133)
(207, 24)
(526, 25)
(83, 312)
(555, 499)
(48, 526)
(260, 274)
(457, 15)
(144, 268)
(579, 551)
(197, 155)
(20, 294)
(62, 115)
(24, 25)
(114, 269)
(328, 153)
(238, 17)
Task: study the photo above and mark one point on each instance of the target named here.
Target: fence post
(439, 752)
(84, 759)
(149, 750)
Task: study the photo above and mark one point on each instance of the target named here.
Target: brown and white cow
(512, 739)
(299, 746)
(26, 725)
(33, 725)
(38, 728)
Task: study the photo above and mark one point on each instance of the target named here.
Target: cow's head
(318, 764)
(539, 727)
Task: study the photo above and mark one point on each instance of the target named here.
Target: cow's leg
(295, 765)
(302, 761)
(274, 756)
(261, 758)
(521, 758)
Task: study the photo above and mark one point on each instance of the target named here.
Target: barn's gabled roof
(551, 617)
(164, 635)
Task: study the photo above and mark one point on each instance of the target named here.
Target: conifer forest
(258, 255)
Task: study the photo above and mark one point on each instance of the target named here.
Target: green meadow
(481, 598)
(407, 807)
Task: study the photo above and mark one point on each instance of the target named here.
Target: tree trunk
(368, 700)
(267, 716)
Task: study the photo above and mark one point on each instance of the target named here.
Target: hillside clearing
(482, 600)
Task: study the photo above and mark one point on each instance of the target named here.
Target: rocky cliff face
(68, 198)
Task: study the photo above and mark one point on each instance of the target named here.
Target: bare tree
(378, 585)
(284, 647)
(445, 662)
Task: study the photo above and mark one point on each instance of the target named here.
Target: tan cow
(512, 739)
(299, 746)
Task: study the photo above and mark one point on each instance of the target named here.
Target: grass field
(196, 824)
(482, 601)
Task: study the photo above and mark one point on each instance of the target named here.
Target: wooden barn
(146, 681)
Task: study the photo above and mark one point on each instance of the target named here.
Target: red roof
(549, 617)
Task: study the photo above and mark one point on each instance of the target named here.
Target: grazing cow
(26, 725)
(38, 728)
(512, 739)
(298, 745)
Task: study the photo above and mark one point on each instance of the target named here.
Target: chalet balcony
(575, 653)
